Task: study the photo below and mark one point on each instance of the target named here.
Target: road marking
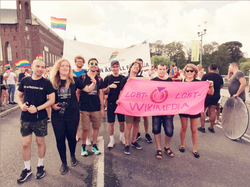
(98, 178)
(241, 137)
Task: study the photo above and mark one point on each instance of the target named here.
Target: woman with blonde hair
(65, 111)
(190, 72)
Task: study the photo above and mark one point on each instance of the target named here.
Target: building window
(26, 28)
(47, 58)
(16, 29)
(27, 16)
(9, 53)
(14, 38)
(28, 37)
(5, 29)
(16, 55)
(28, 54)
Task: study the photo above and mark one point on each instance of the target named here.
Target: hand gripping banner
(154, 98)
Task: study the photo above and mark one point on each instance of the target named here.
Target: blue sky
(124, 23)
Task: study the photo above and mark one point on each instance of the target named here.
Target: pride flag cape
(58, 23)
(6, 66)
(172, 72)
(22, 63)
(154, 98)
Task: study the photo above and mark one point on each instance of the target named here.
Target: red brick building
(24, 36)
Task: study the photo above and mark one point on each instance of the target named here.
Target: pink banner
(154, 98)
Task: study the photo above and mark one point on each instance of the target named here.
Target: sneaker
(13, 103)
(122, 139)
(211, 130)
(148, 138)
(84, 151)
(24, 175)
(73, 161)
(40, 172)
(111, 143)
(136, 145)
(88, 142)
(126, 150)
(217, 122)
(96, 150)
(138, 136)
(48, 120)
(63, 169)
(203, 130)
(207, 120)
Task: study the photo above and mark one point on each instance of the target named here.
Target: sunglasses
(190, 71)
(93, 63)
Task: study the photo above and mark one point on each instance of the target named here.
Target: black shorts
(3, 87)
(111, 113)
(209, 102)
(38, 127)
(190, 116)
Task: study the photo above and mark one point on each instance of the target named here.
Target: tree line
(179, 54)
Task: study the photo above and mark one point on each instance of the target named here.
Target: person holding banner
(165, 120)
(65, 113)
(112, 88)
(191, 73)
(134, 69)
(145, 118)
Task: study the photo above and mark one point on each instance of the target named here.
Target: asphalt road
(223, 162)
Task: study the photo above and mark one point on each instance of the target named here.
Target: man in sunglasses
(91, 107)
(145, 118)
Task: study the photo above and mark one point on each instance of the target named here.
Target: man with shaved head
(35, 94)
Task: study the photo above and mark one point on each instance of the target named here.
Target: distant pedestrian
(35, 94)
(11, 85)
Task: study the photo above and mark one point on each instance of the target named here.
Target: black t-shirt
(158, 79)
(113, 93)
(91, 101)
(125, 79)
(35, 93)
(218, 81)
(68, 96)
(21, 75)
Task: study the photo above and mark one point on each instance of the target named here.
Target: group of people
(77, 99)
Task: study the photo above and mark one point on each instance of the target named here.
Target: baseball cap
(115, 62)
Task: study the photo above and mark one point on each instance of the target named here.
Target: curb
(9, 111)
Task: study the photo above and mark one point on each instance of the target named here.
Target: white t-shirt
(11, 78)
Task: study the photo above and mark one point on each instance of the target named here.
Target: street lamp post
(200, 34)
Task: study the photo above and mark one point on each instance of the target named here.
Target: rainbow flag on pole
(7, 66)
(22, 63)
(172, 72)
(58, 23)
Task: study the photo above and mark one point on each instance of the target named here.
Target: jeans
(11, 90)
(166, 121)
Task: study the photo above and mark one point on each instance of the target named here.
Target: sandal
(182, 149)
(169, 152)
(196, 154)
(158, 154)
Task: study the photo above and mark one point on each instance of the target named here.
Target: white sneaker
(111, 143)
(122, 139)
(88, 142)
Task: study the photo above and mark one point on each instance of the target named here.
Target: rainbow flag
(172, 71)
(22, 63)
(39, 57)
(7, 66)
(58, 23)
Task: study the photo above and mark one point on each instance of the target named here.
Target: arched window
(9, 53)
(16, 55)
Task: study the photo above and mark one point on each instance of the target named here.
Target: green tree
(222, 58)
(234, 48)
(176, 54)
(156, 48)
(161, 59)
(245, 67)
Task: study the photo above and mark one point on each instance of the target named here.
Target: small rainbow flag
(22, 63)
(173, 71)
(58, 23)
(39, 57)
(7, 66)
